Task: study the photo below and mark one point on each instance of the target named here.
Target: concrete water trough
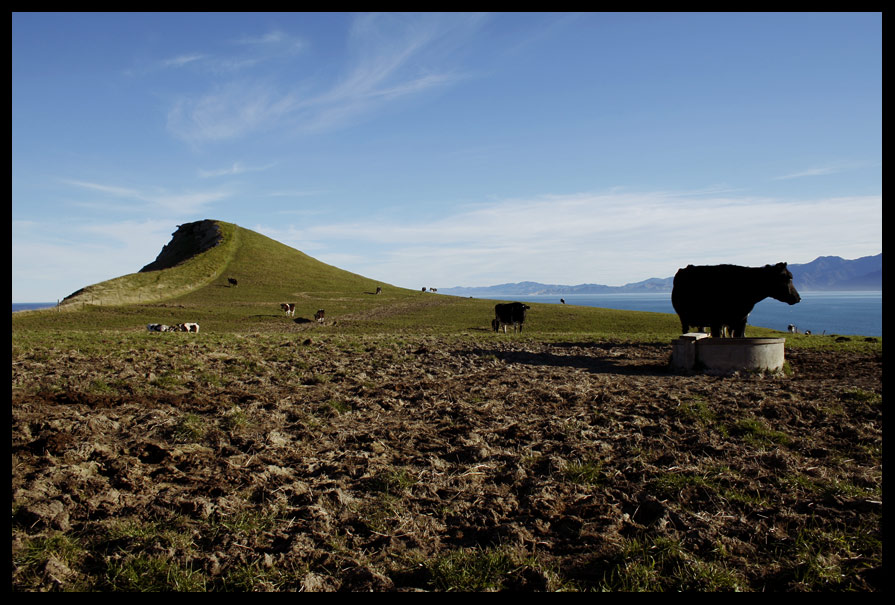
(695, 351)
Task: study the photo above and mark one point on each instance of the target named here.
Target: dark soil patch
(372, 467)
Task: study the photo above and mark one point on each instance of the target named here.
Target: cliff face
(189, 240)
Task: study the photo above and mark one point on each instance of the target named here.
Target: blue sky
(446, 150)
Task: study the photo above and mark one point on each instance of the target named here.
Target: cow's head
(781, 284)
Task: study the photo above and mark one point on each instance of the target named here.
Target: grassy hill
(265, 269)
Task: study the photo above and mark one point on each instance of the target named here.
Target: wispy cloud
(391, 57)
(183, 60)
(275, 38)
(174, 203)
(230, 111)
(819, 171)
(235, 169)
(613, 238)
(110, 189)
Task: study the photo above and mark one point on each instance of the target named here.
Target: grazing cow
(509, 314)
(289, 308)
(190, 327)
(724, 295)
(232, 281)
(319, 316)
(156, 327)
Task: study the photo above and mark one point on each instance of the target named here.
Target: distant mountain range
(822, 274)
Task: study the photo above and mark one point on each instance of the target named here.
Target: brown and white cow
(319, 316)
(289, 308)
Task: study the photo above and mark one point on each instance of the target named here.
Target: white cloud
(183, 60)
(821, 170)
(176, 204)
(51, 260)
(234, 169)
(110, 189)
(393, 56)
(613, 238)
(231, 111)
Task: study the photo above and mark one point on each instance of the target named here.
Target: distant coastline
(823, 274)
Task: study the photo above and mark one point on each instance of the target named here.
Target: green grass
(663, 564)
(473, 569)
(148, 573)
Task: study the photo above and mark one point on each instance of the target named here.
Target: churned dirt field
(354, 463)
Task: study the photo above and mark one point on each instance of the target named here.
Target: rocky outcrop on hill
(189, 240)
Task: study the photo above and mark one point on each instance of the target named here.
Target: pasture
(405, 446)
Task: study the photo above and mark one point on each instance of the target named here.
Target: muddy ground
(351, 465)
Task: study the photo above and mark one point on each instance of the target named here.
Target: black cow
(723, 295)
(509, 314)
(232, 281)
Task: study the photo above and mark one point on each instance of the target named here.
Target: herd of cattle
(715, 298)
(289, 309)
(187, 327)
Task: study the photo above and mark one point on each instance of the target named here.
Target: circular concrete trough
(727, 355)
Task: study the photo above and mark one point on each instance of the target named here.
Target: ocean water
(844, 313)
(31, 306)
(854, 313)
